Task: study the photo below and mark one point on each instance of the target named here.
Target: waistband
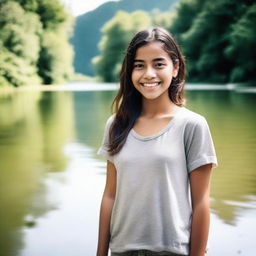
(145, 253)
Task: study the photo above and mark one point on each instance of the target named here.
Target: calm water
(51, 180)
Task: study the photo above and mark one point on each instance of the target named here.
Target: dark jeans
(144, 253)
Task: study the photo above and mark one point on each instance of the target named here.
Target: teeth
(150, 85)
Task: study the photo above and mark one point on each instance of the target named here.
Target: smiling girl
(159, 158)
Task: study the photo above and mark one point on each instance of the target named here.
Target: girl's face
(153, 71)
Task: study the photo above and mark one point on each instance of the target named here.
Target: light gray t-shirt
(152, 208)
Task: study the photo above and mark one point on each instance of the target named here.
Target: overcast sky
(78, 7)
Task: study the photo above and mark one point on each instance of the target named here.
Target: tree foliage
(55, 58)
(34, 42)
(162, 19)
(117, 34)
(217, 37)
(241, 49)
(211, 34)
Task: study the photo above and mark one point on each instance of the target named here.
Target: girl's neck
(158, 107)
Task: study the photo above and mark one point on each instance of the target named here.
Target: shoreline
(98, 86)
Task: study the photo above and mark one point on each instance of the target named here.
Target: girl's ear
(175, 69)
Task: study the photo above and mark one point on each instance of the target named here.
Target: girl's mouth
(150, 85)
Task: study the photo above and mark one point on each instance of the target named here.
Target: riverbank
(96, 86)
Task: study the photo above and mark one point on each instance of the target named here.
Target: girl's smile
(151, 86)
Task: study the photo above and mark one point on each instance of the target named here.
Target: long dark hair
(127, 104)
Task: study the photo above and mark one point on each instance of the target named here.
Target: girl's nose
(149, 73)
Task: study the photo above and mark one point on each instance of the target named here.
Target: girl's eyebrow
(139, 61)
(159, 59)
(156, 59)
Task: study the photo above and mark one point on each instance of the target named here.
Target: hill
(87, 32)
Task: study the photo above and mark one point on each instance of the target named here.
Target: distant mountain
(87, 32)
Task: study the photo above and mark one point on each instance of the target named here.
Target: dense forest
(217, 37)
(34, 46)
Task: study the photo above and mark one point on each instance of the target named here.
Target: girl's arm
(106, 210)
(200, 187)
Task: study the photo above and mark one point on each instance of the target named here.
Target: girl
(159, 158)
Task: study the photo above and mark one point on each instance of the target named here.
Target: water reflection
(91, 112)
(31, 143)
(72, 228)
(57, 124)
(233, 123)
(51, 179)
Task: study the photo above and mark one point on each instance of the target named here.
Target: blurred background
(59, 66)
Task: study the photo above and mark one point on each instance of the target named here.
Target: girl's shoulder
(111, 118)
(191, 118)
(110, 121)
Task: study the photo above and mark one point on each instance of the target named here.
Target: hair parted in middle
(127, 104)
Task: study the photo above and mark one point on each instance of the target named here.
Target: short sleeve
(199, 145)
(103, 149)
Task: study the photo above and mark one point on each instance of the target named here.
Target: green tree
(34, 43)
(15, 71)
(19, 45)
(184, 15)
(241, 50)
(55, 58)
(52, 13)
(56, 55)
(116, 36)
(203, 29)
(162, 19)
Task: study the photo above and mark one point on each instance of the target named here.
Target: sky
(77, 7)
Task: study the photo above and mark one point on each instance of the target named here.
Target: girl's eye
(138, 66)
(159, 65)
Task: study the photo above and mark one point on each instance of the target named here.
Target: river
(51, 180)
